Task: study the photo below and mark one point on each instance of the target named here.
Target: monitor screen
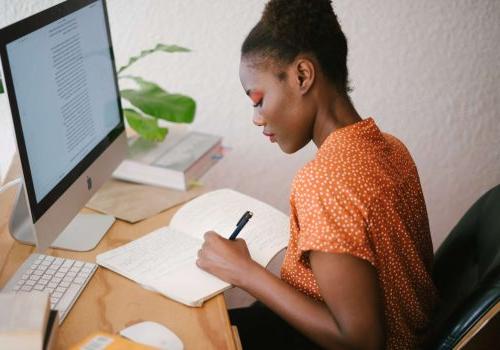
(63, 93)
(66, 104)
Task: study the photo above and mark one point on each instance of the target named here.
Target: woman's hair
(291, 27)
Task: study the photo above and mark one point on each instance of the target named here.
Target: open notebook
(165, 259)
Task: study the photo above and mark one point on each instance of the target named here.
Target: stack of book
(175, 165)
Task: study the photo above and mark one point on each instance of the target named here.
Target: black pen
(243, 221)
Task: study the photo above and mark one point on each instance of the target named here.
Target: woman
(356, 274)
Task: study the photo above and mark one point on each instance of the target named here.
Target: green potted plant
(150, 102)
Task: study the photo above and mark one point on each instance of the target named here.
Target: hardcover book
(174, 163)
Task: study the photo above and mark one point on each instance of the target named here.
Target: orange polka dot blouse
(361, 195)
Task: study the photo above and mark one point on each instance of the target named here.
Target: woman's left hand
(228, 260)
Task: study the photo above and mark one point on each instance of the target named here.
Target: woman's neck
(336, 111)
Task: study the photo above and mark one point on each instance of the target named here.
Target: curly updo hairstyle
(291, 27)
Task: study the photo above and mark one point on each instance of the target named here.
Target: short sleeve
(334, 224)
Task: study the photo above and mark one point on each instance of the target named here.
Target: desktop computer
(60, 78)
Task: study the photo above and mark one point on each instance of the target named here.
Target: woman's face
(279, 107)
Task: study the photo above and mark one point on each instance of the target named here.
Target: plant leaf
(1, 86)
(158, 47)
(147, 127)
(156, 102)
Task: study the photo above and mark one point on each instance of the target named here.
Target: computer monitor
(60, 78)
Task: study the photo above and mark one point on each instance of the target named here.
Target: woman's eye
(257, 97)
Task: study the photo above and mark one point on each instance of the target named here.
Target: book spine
(150, 175)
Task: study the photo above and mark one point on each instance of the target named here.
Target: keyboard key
(85, 272)
(42, 267)
(57, 294)
(58, 261)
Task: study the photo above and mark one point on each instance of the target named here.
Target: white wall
(427, 71)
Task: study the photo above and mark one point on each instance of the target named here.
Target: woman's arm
(350, 288)
(350, 318)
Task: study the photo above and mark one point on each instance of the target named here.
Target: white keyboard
(63, 278)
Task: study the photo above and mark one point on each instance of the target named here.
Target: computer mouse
(153, 334)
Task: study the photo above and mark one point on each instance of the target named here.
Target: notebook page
(152, 257)
(266, 233)
(165, 261)
(190, 285)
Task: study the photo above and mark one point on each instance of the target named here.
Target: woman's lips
(272, 137)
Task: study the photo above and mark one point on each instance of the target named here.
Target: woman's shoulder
(325, 181)
(395, 142)
(358, 172)
(400, 155)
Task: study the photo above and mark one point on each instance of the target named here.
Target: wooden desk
(111, 302)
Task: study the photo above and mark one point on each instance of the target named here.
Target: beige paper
(134, 202)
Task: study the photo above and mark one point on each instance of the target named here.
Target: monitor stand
(82, 234)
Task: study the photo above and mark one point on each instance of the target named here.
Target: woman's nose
(257, 119)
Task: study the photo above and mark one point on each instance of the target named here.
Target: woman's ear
(306, 73)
